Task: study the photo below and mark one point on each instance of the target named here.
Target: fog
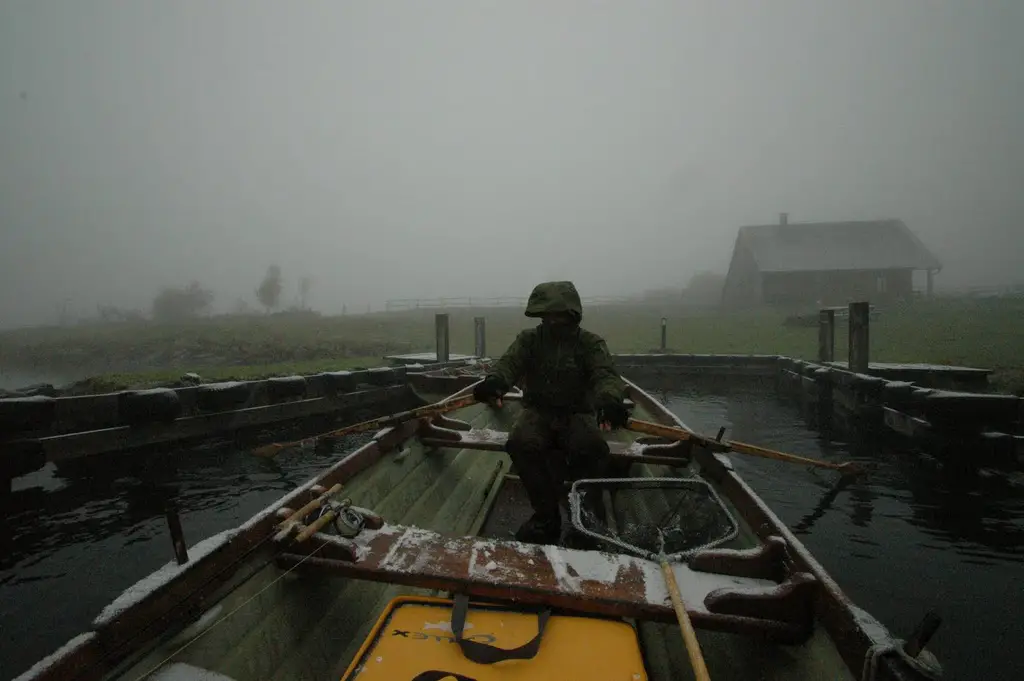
(415, 149)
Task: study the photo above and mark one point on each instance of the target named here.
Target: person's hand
(490, 389)
(612, 412)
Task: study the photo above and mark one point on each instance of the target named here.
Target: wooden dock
(37, 430)
(944, 410)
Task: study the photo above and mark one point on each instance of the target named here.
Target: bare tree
(305, 283)
(269, 291)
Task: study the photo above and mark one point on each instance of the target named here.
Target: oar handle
(402, 417)
(671, 432)
(700, 669)
(374, 424)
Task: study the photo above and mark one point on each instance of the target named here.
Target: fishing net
(684, 513)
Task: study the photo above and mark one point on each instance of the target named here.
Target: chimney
(783, 218)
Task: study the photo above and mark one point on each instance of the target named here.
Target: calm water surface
(900, 543)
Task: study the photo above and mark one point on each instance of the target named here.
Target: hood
(555, 296)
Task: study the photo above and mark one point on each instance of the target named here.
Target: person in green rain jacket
(570, 388)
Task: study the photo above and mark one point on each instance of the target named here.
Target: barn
(799, 265)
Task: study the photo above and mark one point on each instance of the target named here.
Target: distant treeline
(179, 303)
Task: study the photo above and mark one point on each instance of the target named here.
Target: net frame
(576, 496)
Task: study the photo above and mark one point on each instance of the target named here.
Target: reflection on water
(900, 542)
(74, 537)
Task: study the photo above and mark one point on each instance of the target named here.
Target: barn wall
(743, 282)
(836, 288)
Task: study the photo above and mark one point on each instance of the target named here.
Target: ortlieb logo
(420, 636)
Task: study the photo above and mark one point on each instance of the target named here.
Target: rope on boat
(213, 626)
(925, 663)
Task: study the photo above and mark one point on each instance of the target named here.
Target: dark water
(72, 540)
(901, 543)
(905, 540)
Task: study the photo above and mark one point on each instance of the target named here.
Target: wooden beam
(584, 581)
(859, 345)
(494, 441)
(77, 445)
(480, 336)
(442, 336)
(826, 335)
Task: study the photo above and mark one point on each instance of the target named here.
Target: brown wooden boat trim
(765, 561)
(187, 594)
(833, 607)
(444, 421)
(583, 581)
(791, 602)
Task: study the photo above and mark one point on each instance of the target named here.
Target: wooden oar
(649, 428)
(442, 407)
(700, 669)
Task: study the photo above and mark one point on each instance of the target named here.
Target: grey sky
(411, 149)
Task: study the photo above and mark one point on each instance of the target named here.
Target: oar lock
(348, 521)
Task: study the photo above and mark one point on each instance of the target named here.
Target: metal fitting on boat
(348, 522)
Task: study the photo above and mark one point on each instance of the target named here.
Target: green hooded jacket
(563, 370)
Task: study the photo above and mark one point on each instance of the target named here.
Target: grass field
(986, 333)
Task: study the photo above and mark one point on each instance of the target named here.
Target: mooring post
(441, 324)
(826, 336)
(664, 334)
(480, 336)
(859, 337)
(177, 536)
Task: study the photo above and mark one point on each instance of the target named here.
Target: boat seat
(437, 433)
(584, 581)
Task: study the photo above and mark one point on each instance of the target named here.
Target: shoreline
(175, 377)
(986, 334)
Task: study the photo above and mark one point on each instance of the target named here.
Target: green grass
(113, 382)
(987, 334)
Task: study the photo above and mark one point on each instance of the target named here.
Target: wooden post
(441, 327)
(177, 536)
(931, 283)
(480, 336)
(826, 335)
(664, 334)
(859, 337)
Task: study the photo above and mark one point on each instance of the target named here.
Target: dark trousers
(551, 449)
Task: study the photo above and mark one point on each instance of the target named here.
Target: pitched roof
(823, 246)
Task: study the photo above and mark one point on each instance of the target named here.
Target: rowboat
(397, 563)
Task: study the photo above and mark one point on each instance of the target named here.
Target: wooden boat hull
(763, 606)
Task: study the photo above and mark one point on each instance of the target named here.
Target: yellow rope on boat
(220, 621)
